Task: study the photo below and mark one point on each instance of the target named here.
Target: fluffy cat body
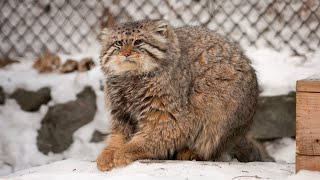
(184, 93)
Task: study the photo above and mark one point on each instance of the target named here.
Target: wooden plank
(307, 162)
(308, 123)
(308, 85)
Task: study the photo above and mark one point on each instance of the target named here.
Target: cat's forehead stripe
(130, 26)
(128, 30)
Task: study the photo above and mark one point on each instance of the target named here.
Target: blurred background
(51, 90)
(28, 27)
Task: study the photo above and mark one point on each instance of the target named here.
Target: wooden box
(308, 124)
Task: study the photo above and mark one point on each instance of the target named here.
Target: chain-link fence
(30, 27)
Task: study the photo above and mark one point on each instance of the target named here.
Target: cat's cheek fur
(147, 64)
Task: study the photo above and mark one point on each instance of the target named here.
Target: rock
(101, 85)
(48, 62)
(62, 120)
(85, 64)
(98, 136)
(31, 100)
(2, 96)
(275, 118)
(4, 61)
(69, 66)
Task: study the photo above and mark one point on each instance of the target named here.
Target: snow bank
(278, 71)
(18, 133)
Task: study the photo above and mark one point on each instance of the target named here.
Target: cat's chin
(135, 73)
(130, 70)
(131, 67)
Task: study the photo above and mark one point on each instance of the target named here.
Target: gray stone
(275, 118)
(31, 100)
(2, 96)
(98, 136)
(62, 120)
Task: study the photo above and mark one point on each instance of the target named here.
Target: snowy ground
(277, 73)
(283, 150)
(77, 169)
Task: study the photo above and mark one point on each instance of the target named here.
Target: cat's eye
(118, 43)
(159, 32)
(137, 42)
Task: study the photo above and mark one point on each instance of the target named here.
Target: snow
(314, 77)
(79, 169)
(277, 73)
(302, 175)
(159, 170)
(282, 150)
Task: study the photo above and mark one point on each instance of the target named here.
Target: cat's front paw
(121, 158)
(187, 154)
(105, 160)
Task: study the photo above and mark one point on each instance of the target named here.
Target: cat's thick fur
(184, 93)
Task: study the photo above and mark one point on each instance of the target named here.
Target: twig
(257, 177)
(286, 170)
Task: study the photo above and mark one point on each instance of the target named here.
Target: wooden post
(308, 124)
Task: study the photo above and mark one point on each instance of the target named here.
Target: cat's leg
(210, 143)
(118, 137)
(212, 139)
(158, 140)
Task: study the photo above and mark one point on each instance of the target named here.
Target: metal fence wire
(30, 27)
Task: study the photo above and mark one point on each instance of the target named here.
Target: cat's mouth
(128, 60)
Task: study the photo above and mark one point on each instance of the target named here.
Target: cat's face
(136, 47)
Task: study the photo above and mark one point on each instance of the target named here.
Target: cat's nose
(126, 54)
(126, 51)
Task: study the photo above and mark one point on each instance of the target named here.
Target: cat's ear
(161, 27)
(104, 34)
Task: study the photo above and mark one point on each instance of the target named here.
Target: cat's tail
(247, 149)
